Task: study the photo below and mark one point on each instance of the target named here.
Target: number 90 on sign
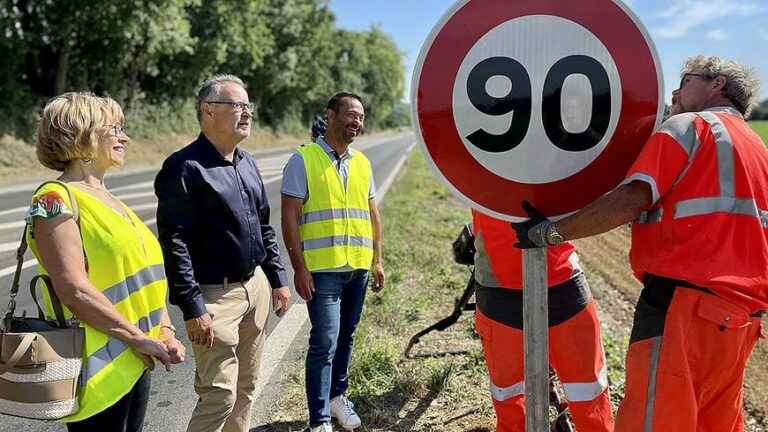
(539, 109)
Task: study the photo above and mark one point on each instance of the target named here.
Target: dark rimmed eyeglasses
(702, 76)
(238, 106)
(118, 129)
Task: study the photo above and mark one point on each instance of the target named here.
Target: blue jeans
(334, 312)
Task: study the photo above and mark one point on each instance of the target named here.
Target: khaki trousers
(226, 374)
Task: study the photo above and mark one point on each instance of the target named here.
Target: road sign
(545, 101)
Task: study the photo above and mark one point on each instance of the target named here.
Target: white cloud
(683, 15)
(716, 35)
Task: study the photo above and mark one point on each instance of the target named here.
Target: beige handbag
(40, 359)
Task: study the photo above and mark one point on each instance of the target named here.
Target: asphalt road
(173, 397)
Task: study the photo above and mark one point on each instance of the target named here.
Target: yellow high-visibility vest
(125, 263)
(335, 225)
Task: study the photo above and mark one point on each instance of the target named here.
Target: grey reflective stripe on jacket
(115, 347)
(330, 214)
(135, 282)
(726, 202)
(325, 242)
(483, 272)
(682, 129)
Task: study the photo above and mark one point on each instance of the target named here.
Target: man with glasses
(221, 255)
(698, 199)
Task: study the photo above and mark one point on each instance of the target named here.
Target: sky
(732, 29)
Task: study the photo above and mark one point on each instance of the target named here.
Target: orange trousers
(685, 366)
(576, 354)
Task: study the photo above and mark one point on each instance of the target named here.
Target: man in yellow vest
(332, 230)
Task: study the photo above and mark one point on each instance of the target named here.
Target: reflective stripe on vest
(335, 224)
(325, 242)
(726, 202)
(123, 289)
(323, 215)
(115, 347)
(483, 273)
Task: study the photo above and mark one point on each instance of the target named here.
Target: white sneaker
(342, 410)
(325, 427)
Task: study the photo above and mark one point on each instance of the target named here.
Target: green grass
(761, 127)
(615, 352)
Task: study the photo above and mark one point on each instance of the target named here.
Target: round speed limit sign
(534, 100)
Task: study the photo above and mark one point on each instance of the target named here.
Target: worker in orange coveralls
(575, 350)
(698, 196)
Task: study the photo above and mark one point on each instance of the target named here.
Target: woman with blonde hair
(106, 267)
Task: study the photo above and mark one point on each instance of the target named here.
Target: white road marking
(10, 270)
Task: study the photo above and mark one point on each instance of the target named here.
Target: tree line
(291, 54)
(760, 112)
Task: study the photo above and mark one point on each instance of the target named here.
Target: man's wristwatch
(553, 236)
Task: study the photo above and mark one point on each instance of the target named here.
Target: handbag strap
(20, 261)
(20, 350)
(58, 311)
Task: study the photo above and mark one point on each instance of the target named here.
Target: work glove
(533, 232)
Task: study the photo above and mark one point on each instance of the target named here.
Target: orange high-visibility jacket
(709, 217)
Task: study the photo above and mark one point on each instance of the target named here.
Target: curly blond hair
(742, 87)
(71, 125)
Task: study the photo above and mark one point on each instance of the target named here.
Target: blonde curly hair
(71, 126)
(742, 87)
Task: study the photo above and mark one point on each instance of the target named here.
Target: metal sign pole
(536, 338)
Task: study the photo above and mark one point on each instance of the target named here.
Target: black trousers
(127, 415)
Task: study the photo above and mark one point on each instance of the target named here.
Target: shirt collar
(209, 150)
(329, 150)
(728, 109)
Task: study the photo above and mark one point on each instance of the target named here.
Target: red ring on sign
(640, 81)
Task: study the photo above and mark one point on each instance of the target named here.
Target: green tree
(383, 76)
(229, 37)
(760, 112)
(107, 46)
(295, 77)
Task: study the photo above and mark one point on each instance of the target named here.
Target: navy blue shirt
(213, 223)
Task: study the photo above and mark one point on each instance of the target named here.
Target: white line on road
(122, 197)
(10, 270)
(141, 185)
(13, 210)
(10, 246)
(11, 225)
